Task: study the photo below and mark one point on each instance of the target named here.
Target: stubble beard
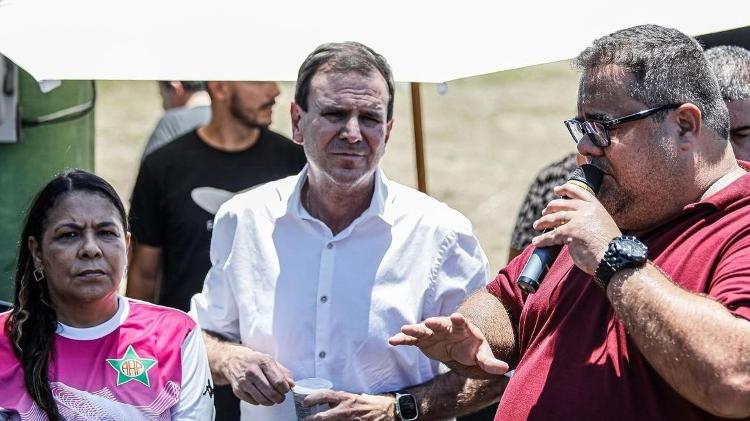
(614, 200)
(342, 174)
(247, 119)
(652, 201)
(345, 175)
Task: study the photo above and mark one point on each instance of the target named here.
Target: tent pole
(416, 110)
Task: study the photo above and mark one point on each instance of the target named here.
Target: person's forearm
(487, 312)
(143, 272)
(219, 352)
(451, 395)
(141, 287)
(693, 342)
(255, 377)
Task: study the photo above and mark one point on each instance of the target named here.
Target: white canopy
(425, 41)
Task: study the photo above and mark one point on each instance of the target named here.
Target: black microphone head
(587, 176)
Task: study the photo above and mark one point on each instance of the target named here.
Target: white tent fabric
(425, 41)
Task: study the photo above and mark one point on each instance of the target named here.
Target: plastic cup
(304, 387)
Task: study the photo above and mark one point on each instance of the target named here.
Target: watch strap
(604, 271)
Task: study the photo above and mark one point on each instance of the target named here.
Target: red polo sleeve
(731, 282)
(504, 285)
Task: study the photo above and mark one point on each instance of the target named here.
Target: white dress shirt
(324, 305)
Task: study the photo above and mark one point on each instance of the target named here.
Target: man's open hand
(454, 341)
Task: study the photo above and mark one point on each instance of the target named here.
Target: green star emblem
(132, 367)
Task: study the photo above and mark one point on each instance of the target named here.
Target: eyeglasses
(598, 131)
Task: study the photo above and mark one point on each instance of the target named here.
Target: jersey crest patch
(132, 367)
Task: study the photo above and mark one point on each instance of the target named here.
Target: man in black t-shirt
(181, 185)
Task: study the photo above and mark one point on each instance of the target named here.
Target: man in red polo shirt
(645, 314)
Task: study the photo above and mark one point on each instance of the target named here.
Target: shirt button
(329, 246)
(323, 299)
(322, 354)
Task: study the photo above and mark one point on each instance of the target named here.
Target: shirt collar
(380, 205)
(98, 331)
(736, 190)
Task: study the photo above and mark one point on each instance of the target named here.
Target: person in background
(181, 185)
(645, 314)
(540, 193)
(71, 346)
(186, 106)
(731, 65)
(311, 273)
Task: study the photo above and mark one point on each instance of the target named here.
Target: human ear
(36, 251)
(689, 122)
(388, 129)
(177, 88)
(296, 114)
(218, 90)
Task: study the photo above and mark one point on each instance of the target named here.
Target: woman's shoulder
(4, 318)
(165, 321)
(162, 330)
(158, 314)
(11, 374)
(5, 343)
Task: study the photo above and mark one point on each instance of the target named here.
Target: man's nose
(586, 147)
(351, 132)
(274, 90)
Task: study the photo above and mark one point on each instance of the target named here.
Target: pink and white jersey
(146, 363)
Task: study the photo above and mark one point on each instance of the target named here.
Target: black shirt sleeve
(145, 206)
(293, 154)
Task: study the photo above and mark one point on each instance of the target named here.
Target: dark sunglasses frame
(588, 128)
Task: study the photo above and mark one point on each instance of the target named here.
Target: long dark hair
(32, 323)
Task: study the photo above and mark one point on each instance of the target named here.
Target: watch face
(633, 249)
(407, 406)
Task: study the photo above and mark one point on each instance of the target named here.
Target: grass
(485, 139)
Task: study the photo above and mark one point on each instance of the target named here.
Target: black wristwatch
(624, 252)
(406, 407)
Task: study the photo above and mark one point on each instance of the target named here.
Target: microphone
(589, 178)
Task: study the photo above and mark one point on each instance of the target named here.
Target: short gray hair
(668, 67)
(342, 57)
(731, 65)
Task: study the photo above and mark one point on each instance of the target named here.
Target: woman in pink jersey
(72, 348)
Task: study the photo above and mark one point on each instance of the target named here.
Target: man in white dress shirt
(312, 274)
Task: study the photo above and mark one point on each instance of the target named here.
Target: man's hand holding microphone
(577, 220)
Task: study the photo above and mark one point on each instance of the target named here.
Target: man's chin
(256, 124)
(349, 176)
(626, 216)
(613, 201)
